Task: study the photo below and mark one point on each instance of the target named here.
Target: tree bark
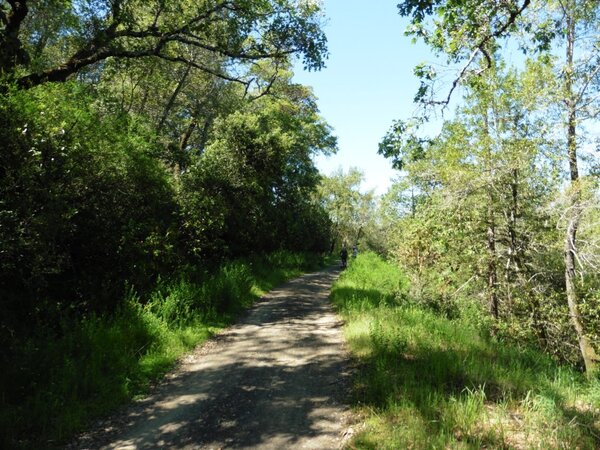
(183, 142)
(514, 257)
(173, 97)
(588, 353)
(492, 263)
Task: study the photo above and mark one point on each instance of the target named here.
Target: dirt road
(276, 380)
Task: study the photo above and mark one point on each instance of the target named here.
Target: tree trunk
(183, 142)
(513, 250)
(12, 52)
(492, 263)
(204, 134)
(173, 97)
(590, 358)
(588, 354)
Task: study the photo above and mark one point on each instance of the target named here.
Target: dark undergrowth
(426, 381)
(63, 379)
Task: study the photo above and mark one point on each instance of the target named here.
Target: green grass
(425, 381)
(62, 380)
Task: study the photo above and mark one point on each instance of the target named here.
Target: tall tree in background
(350, 210)
(478, 191)
(251, 190)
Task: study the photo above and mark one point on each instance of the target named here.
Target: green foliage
(91, 202)
(426, 381)
(157, 160)
(510, 121)
(351, 211)
(84, 203)
(474, 220)
(61, 379)
(402, 145)
(250, 191)
(51, 40)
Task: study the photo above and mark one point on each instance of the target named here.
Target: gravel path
(276, 380)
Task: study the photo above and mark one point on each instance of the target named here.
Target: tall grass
(425, 381)
(63, 379)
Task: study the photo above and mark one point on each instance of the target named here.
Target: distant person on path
(344, 256)
(354, 251)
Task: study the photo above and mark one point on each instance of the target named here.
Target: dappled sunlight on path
(278, 379)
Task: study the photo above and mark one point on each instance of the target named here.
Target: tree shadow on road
(278, 379)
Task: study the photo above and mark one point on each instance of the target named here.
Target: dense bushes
(91, 209)
(82, 200)
(87, 205)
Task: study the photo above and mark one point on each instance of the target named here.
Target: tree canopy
(55, 39)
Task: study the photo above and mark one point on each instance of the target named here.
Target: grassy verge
(63, 380)
(429, 382)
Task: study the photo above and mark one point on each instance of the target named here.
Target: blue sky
(368, 82)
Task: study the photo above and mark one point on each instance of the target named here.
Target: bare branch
(181, 59)
(588, 80)
(481, 47)
(246, 55)
(458, 79)
(271, 82)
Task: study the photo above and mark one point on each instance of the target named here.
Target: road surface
(277, 380)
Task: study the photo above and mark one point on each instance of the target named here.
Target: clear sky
(368, 82)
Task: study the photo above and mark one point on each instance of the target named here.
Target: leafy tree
(476, 223)
(468, 31)
(52, 40)
(250, 190)
(580, 88)
(350, 210)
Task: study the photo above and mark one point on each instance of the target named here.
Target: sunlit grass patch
(357, 333)
(425, 381)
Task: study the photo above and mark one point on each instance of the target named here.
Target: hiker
(344, 256)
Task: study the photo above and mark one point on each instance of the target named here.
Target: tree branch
(181, 59)
(458, 79)
(120, 39)
(511, 20)
(11, 49)
(481, 47)
(588, 80)
(3, 17)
